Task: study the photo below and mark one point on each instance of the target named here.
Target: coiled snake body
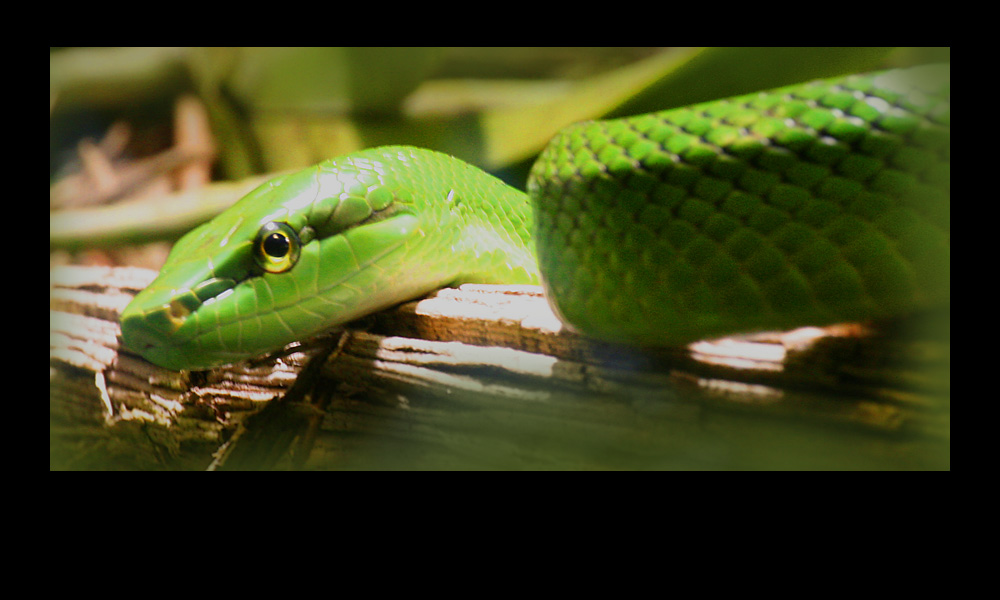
(809, 204)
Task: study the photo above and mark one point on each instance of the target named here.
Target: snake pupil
(276, 245)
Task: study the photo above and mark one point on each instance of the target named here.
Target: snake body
(810, 204)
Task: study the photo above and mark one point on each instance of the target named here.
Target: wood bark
(486, 377)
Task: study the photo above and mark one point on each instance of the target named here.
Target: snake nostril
(176, 312)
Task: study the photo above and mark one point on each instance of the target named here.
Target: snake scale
(810, 204)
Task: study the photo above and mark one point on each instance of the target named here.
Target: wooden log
(486, 377)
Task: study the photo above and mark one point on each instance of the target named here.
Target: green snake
(809, 204)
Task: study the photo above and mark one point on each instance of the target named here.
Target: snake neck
(496, 245)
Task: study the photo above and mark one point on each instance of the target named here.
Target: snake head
(297, 255)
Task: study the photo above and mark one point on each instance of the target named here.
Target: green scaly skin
(809, 204)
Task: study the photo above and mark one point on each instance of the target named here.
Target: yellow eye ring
(276, 248)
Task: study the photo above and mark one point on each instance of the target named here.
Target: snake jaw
(223, 319)
(151, 332)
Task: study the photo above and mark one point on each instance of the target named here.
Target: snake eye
(277, 247)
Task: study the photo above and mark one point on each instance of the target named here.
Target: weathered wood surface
(486, 377)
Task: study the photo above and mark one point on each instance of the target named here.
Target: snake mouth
(167, 319)
(222, 320)
(165, 351)
(163, 336)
